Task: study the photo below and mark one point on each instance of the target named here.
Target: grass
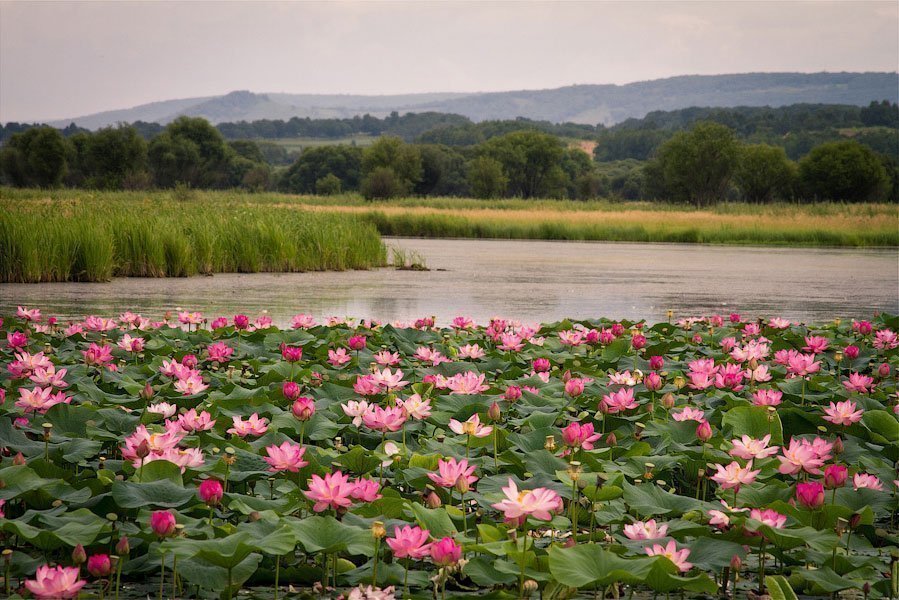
(82, 236)
(301, 143)
(89, 236)
(818, 224)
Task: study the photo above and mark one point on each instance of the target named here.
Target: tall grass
(76, 236)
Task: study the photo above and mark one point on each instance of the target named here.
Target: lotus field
(192, 457)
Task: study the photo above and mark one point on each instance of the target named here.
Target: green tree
(846, 171)
(530, 160)
(442, 171)
(696, 165)
(112, 156)
(329, 185)
(381, 183)
(393, 153)
(35, 157)
(486, 178)
(342, 161)
(193, 152)
(764, 173)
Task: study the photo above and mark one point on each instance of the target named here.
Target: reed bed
(72, 236)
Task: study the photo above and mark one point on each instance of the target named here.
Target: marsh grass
(78, 236)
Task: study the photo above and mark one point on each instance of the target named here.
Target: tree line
(705, 163)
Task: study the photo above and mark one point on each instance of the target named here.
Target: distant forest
(769, 154)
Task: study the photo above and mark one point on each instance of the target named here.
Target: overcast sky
(66, 59)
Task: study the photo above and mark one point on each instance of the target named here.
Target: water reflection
(532, 281)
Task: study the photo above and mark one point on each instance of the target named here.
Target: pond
(528, 280)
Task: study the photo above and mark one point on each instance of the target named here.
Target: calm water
(528, 280)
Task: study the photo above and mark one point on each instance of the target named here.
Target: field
(201, 456)
(65, 236)
(298, 144)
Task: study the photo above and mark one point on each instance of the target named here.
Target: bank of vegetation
(700, 156)
(64, 235)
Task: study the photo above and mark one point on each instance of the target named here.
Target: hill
(591, 104)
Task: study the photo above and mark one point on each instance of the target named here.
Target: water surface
(527, 280)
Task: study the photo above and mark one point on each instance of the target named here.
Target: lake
(527, 280)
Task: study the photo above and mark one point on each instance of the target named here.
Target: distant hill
(592, 104)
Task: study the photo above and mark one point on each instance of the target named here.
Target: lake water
(527, 280)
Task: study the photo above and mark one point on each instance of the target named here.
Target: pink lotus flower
(355, 409)
(815, 344)
(131, 344)
(689, 414)
(302, 321)
(191, 421)
(99, 565)
(190, 318)
(539, 503)
(40, 400)
(670, 551)
(162, 522)
(748, 448)
(445, 552)
(28, 314)
(802, 365)
(190, 385)
(571, 338)
(767, 397)
(810, 494)
(49, 377)
(386, 358)
(859, 383)
(366, 385)
(366, 490)
(576, 435)
(409, 542)
(210, 491)
(467, 383)
(357, 342)
(769, 517)
(471, 427)
(429, 355)
(338, 358)
(835, 476)
(462, 323)
(291, 354)
(16, 339)
(286, 457)
(704, 431)
(449, 472)
(779, 323)
(618, 402)
(471, 352)
(98, 356)
(220, 352)
(415, 407)
(163, 408)
(55, 582)
(512, 393)
(391, 418)
(334, 491)
(865, 480)
(843, 413)
(648, 530)
(574, 387)
(885, 339)
(799, 456)
(252, 426)
(733, 475)
(388, 380)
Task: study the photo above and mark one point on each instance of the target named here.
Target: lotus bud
(99, 565)
(147, 393)
(838, 446)
(611, 440)
(377, 530)
(462, 485)
(736, 563)
(432, 500)
(122, 547)
(883, 370)
(143, 449)
(704, 431)
(255, 516)
(668, 398)
(18, 459)
(79, 556)
(494, 412)
(854, 520)
(530, 586)
(851, 352)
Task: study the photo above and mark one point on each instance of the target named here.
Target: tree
(529, 159)
(486, 178)
(193, 152)
(381, 183)
(846, 171)
(342, 161)
(880, 113)
(394, 154)
(696, 165)
(329, 185)
(111, 156)
(764, 173)
(442, 172)
(35, 157)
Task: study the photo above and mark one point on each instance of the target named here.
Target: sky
(67, 59)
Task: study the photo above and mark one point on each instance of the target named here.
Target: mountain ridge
(581, 103)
